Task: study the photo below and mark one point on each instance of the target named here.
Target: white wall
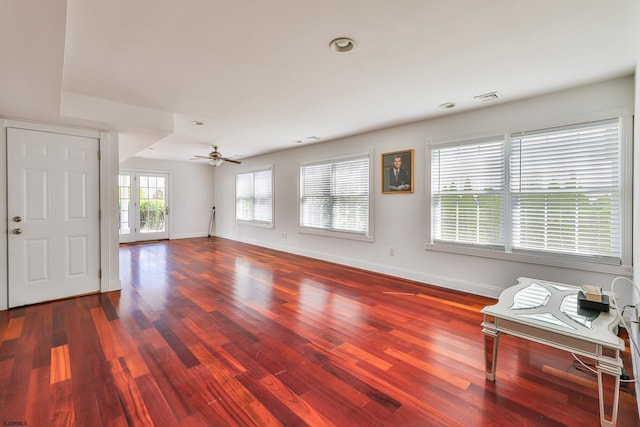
(190, 193)
(4, 285)
(109, 257)
(400, 220)
(636, 233)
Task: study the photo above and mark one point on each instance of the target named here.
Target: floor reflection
(145, 268)
(252, 283)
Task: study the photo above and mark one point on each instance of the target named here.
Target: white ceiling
(261, 76)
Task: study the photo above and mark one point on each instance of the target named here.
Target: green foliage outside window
(152, 215)
(470, 217)
(566, 222)
(556, 221)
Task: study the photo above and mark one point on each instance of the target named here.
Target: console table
(548, 313)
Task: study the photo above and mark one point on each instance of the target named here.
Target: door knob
(17, 218)
(17, 231)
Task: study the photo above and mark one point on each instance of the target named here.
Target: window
(334, 195)
(547, 192)
(468, 191)
(254, 197)
(565, 186)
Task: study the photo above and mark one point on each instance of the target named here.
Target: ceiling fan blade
(199, 157)
(231, 160)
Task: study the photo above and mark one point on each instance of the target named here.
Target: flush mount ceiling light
(197, 122)
(447, 105)
(342, 45)
(491, 96)
(312, 138)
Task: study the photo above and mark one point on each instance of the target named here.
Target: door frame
(108, 238)
(131, 237)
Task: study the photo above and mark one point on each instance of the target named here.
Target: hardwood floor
(211, 332)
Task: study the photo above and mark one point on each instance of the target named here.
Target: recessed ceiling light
(313, 138)
(342, 44)
(197, 122)
(447, 105)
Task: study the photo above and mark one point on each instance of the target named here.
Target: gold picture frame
(397, 172)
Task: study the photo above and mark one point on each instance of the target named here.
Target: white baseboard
(187, 236)
(114, 285)
(475, 288)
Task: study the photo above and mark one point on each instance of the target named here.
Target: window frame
(254, 222)
(366, 236)
(580, 262)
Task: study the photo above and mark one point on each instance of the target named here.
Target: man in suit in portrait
(399, 178)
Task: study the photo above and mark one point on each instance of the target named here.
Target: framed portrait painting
(397, 172)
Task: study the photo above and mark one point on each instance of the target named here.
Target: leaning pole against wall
(212, 220)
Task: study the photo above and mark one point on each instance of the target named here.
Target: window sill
(555, 260)
(335, 234)
(255, 223)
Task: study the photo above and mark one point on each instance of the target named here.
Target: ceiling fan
(215, 158)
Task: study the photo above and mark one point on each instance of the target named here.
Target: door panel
(125, 220)
(76, 195)
(77, 255)
(36, 258)
(144, 201)
(36, 193)
(152, 206)
(53, 207)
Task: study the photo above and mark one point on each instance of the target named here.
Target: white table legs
(608, 368)
(491, 341)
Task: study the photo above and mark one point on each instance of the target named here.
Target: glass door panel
(124, 204)
(143, 206)
(152, 204)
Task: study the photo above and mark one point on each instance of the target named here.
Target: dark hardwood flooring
(211, 332)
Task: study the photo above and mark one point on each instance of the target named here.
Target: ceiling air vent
(487, 96)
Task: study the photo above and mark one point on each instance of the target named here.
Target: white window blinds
(467, 187)
(334, 195)
(556, 191)
(254, 196)
(566, 189)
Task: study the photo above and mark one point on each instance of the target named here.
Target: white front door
(143, 206)
(53, 216)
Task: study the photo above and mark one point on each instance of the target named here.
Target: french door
(143, 206)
